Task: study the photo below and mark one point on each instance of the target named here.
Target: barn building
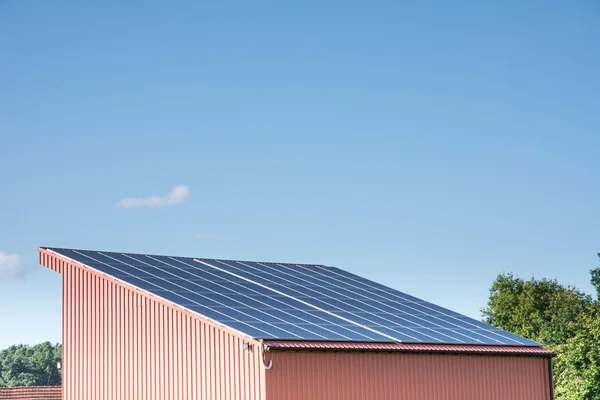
(156, 327)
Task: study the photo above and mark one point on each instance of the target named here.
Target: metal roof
(404, 347)
(277, 301)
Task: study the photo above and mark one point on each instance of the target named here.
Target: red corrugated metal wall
(399, 376)
(119, 343)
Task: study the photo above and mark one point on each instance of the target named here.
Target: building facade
(120, 342)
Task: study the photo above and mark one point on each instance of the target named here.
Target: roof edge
(56, 262)
(287, 263)
(300, 345)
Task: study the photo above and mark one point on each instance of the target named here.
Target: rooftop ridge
(190, 257)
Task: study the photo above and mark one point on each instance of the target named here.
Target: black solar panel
(293, 301)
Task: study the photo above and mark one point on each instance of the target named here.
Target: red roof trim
(31, 393)
(406, 347)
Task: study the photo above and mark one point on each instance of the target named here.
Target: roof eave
(308, 346)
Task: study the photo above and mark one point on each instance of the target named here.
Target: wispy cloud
(178, 195)
(10, 266)
(206, 236)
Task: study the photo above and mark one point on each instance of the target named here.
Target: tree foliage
(561, 318)
(542, 310)
(577, 365)
(596, 279)
(24, 365)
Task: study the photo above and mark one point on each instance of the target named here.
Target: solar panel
(293, 301)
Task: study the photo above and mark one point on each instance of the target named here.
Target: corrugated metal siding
(401, 376)
(119, 343)
(406, 347)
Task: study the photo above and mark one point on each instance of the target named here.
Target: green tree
(577, 365)
(24, 365)
(541, 310)
(596, 279)
(561, 318)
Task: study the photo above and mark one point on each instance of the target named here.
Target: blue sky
(426, 146)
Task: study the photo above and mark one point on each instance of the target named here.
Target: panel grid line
(295, 308)
(307, 321)
(349, 312)
(392, 306)
(299, 300)
(395, 294)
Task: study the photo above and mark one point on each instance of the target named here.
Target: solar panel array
(293, 301)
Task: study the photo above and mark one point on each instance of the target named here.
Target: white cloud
(10, 266)
(206, 236)
(178, 195)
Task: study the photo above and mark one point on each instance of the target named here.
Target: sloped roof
(294, 302)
